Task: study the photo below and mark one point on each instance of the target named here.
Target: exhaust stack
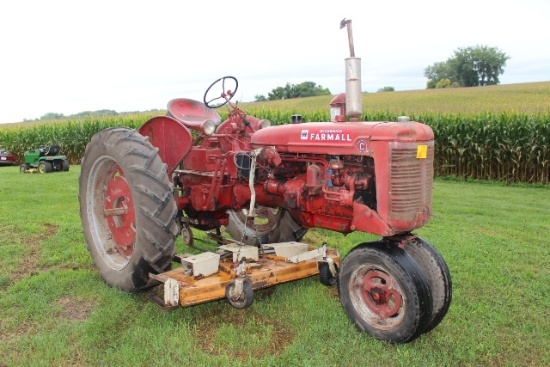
(354, 96)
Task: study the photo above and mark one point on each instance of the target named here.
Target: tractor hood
(338, 138)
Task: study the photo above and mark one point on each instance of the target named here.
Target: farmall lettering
(331, 135)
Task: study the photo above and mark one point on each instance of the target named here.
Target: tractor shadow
(241, 334)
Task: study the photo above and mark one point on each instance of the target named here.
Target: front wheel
(325, 275)
(384, 292)
(239, 293)
(45, 167)
(127, 208)
(439, 278)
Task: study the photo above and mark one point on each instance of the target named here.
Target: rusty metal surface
(269, 271)
(170, 136)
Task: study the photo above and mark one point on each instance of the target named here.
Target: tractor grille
(411, 180)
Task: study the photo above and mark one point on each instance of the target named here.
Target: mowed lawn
(55, 310)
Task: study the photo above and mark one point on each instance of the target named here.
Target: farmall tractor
(255, 190)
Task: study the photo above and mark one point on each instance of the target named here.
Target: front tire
(45, 167)
(438, 275)
(325, 276)
(127, 208)
(384, 292)
(239, 293)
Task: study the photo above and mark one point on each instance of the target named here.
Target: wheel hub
(119, 211)
(379, 294)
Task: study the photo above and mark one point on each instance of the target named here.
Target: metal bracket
(331, 265)
(321, 251)
(171, 292)
(238, 291)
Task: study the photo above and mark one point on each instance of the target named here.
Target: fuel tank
(352, 138)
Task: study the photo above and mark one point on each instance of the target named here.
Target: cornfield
(500, 132)
(71, 135)
(493, 145)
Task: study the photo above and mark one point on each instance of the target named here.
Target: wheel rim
(187, 235)
(377, 297)
(240, 300)
(112, 216)
(265, 220)
(119, 210)
(379, 294)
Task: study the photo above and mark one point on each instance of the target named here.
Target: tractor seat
(54, 150)
(49, 150)
(191, 113)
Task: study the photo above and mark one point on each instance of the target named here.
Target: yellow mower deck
(187, 285)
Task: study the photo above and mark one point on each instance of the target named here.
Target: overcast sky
(73, 56)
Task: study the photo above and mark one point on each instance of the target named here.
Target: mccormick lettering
(326, 135)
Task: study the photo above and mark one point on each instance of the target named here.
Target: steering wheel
(226, 94)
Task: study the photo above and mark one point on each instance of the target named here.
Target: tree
(469, 67)
(437, 72)
(445, 83)
(98, 113)
(386, 89)
(52, 116)
(304, 89)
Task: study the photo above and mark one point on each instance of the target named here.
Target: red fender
(171, 137)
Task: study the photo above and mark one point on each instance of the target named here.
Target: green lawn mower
(44, 160)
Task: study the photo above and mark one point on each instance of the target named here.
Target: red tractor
(265, 186)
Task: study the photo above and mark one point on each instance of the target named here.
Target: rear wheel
(384, 292)
(45, 167)
(64, 165)
(269, 226)
(127, 208)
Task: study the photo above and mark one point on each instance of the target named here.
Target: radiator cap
(403, 119)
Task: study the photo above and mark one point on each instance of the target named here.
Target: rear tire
(384, 292)
(127, 208)
(64, 165)
(271, 225)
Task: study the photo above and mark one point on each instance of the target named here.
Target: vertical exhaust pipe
(354, 95)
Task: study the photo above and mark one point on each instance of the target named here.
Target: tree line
(468, 67)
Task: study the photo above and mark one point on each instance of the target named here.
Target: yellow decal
(422, 151)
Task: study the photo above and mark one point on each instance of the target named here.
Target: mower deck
(270, 265)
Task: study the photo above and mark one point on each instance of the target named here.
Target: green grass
(57, 311)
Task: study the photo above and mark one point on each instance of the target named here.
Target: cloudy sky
(81, 55)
